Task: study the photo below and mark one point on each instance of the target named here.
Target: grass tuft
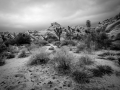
(81, 47)
(39, 59)
(22, 54)
(2, 59)
(62, 62)
(80, 77)
(85, 60)
(101, 70)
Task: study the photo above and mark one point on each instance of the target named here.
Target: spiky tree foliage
(69, 32)
(88, 23)
(58, 32)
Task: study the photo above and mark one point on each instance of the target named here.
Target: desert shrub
(118, 54)
(80, 77)
(81, 47)
(10, 42)
(2, 47)
(57, 43)
(77, 36)
(119, 60)
(106, 54)
(51, 40)
(111, 58)
(13, 49)
(51, 36)
(68, 42)
(31, 46)
(2, 59)
(102, 70)
(62, 63)
(42, 42)
(39, 59)
(85, 60)
(99, 40)
(22, 54)
(102, 41)
(117, 73)
(11, 55)
(22, 38)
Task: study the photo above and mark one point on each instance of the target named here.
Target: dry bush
(41, 42)
(39, 59)
(57, 43)
(111, 58)
(68, 42)
(102, 70)
(10, 56)
(2, 59)
(31, 46)
(2, 47)
(117, 73)
(80, 76)
(119, 60)
(118, 54)
(106, 54)
(13, 49)
(22, 54)
(85, 60)
(22, 38)
(81, 47)
(63, 62)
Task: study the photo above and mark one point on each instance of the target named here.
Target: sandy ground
(15, 75)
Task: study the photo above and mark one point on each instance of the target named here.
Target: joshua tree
(88, 24)
(69, 32)
(58, 32)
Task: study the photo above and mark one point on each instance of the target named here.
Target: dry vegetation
(74, 59)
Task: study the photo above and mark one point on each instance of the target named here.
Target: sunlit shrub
(39, 59)
(85, 60)
(22, 54)
(22, 38)
(102, 70)
(68, 42)
(62, 62)
(80, 76)
(81, 47)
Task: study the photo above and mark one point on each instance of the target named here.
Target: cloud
(38, 14)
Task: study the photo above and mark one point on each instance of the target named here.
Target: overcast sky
(18, 15)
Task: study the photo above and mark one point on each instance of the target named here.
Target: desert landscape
(59, 44)
(60, 58)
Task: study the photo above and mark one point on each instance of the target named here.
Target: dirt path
(13, 65)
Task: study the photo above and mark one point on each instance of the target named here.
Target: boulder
(114, 34)
(115, 45)
(112, 26)
(113, 31)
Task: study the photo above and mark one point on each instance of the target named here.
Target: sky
(20, 15)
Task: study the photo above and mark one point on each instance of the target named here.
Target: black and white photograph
(59, 44)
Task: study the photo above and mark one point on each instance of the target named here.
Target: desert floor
(16, 75)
